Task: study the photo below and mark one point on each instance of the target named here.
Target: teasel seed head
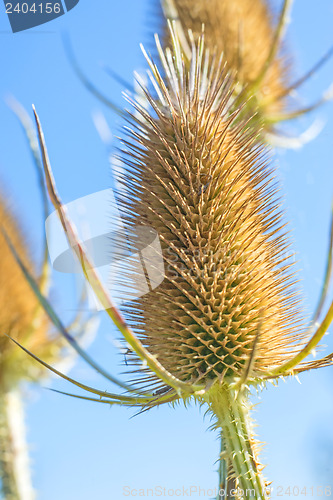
(200, 178)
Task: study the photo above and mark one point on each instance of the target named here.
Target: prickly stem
(232, 413)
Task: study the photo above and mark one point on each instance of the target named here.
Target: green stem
(231, 410)
(15, 483)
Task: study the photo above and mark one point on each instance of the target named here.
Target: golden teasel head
(227, 308)
(200, 179)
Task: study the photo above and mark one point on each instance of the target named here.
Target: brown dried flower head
(202, 181)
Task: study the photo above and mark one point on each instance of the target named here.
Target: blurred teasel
(226, 317)
(251, 38)
(22, 318)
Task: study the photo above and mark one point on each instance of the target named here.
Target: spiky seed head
(243, 31)
(19, 305)
(203, 183)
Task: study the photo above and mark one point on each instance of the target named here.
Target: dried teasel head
(201, 180)
(250, 37)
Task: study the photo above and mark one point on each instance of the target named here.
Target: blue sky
(81, 450)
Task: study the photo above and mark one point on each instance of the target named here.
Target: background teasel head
(20, 316)
(226, 314)
(250, 37)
